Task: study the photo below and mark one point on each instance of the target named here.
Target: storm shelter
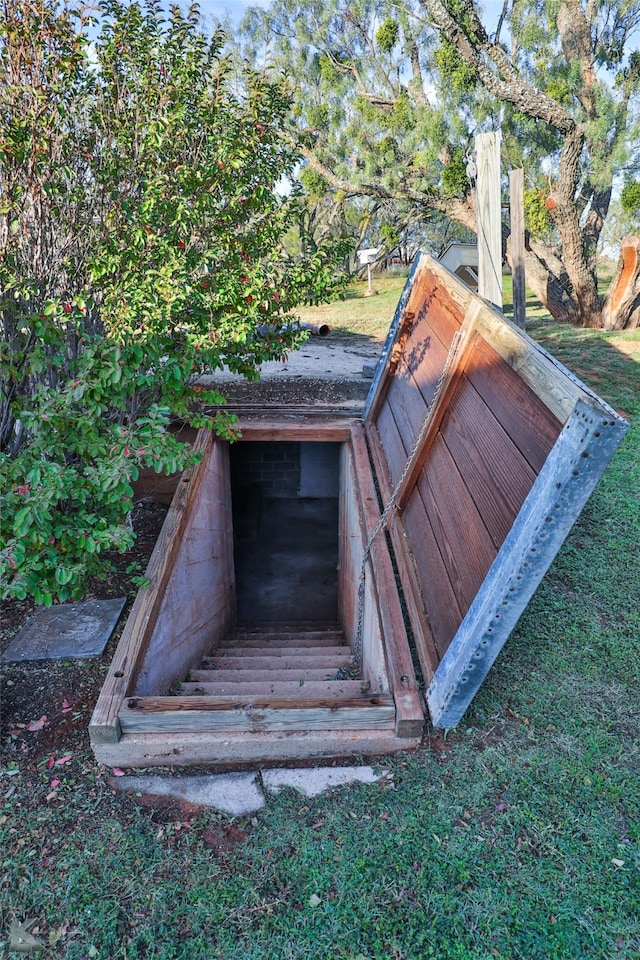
(273, 626)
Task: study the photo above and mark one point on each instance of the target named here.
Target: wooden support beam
(410, 715)
(289, 431)
(488, 215)
(200, 714)
(516, 211)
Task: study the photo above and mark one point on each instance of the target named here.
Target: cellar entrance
(272, 628)
(285, 520)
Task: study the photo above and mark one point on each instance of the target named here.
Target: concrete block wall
(274, 466)
(287, 470)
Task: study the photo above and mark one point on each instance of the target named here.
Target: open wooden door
(488, 449)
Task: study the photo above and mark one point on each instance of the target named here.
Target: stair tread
(347, 689)
(316, 639)
(288, 660)
(247, 676)
(289, 626)
(230, 650)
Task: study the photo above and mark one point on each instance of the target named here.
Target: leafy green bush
(140, 246)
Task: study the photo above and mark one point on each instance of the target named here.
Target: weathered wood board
(480, 448)
(488, 492)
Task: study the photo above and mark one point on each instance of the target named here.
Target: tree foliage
(558, 77)
(140, 246)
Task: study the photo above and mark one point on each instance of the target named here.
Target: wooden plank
(489, 217)
(271, 628)
(394, 451)
(413, 591)
(425, 302)
(397, 350)
(431, 582)
(544, 375)
(198, 605)
(407, 407)
(244, 676)
(450, 378)
(104, 724)
(315, 689)
(188, 749)
(523, 415)
(272, 651)
(268, 641)
(285, 662)
(336, 431)
(372, 402)
(565, 482)
(240, 700)
(463, 539)
(403, 686)
(495, 472)
(254, 719)
(516, 245)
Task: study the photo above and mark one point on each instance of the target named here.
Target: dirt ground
(326, 371)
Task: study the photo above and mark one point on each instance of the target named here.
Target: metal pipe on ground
(316, 329)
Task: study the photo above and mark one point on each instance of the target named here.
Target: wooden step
(209, 714)
(296, 662)
(248, 676)
(251, 652)
(266, 640)
(288, 626)
(314, 689)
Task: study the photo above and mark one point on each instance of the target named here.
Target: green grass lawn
(516, 837)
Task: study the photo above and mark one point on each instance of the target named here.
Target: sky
(216, 11)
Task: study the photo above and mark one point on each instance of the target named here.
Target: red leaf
(61, 760)
(66, 706)
(37, 724)
(117, 772)
(55, 783)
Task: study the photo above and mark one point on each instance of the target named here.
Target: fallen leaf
(314, 900)
(61, 760)
(117, 772)
(37, 724)
(21, 940)
(54, 784)
(617, 863)
(66, 706)
(501, 807)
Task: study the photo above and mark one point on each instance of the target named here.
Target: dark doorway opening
(285, 518)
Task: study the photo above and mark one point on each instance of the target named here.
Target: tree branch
(494, 70)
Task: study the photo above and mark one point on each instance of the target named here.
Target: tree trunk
(621, 307)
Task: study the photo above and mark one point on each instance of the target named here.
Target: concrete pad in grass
(314, 781)
(66, 631)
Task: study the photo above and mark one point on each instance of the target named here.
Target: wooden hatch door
(485, 450)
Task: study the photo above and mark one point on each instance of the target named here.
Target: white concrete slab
(234, 794)
(314, 781)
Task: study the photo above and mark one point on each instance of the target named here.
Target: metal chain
(356, 657)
